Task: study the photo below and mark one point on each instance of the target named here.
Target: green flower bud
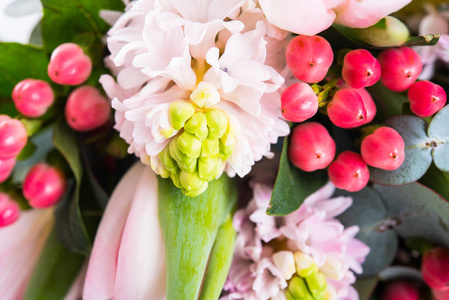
(180, 112)
(192, 185)
(197, 125)
(305, 265)
(297, 289)
(317, 285)
(209, 167)
(217, 122)
(185, 163)
(205, 95)
(210, 147)
(225, 151)
(189, 144)
(175, 178)
(168, 162)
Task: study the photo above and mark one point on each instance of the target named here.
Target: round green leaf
(439, 134)
(417, 152)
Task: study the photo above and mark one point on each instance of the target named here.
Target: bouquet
(239, 149)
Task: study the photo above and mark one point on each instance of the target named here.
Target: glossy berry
(299, 102)
(32, 97)
(309, 58)
(347, 109)
(368, 102)
(69, 65)
(9, 210)
(426, 98)
(400, 290)
(349, 172)
(400, 68)
(434, 268)
(44, 185)
(6, 167)
(86, 109)
(13, 137)
(440, 295)
(311, 147)
(383, 149)
(360, 69)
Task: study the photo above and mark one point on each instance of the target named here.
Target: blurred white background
(18, 29)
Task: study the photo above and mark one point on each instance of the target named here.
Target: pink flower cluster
(266, 246)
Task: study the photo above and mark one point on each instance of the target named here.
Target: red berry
(368, 102)
(346, 109)
(360, 69)
(349, 172)
(13, 137)
(435, 268)
(86, 109)
(32, 97)
(309, 58)
(299, 102)
(400, 68)
(44, 185)
(440, 295)
(311, 147)
(9, 210)
(383, 149)
(6, 167)
(426, 98)
(400, 290)
(69, 65)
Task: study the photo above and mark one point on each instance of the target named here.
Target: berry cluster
(85, 110)
(349, 105)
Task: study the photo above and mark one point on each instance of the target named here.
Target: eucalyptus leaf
(437, 181)
(368, 212)
(190, 227)
(219, 262)
(365, 287)
(399, 272)
(439, 133)
(70, 227)
(54, 273)
(19, 62)
(417, 152)
(293, 186)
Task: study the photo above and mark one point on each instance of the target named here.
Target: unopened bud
(317, 285)
(209, 168)
(185, 162)
(285, 262)
(205, 95)
(217, 122)
(191, 183)
(189, 144)
(180, 112)
(210, 147)
(297, 289)
(197, 125)
(305, 265)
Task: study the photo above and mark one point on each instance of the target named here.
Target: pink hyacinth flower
(128, 257)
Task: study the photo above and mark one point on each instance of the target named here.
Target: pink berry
(426, 98)
(368, 102)
(440, 295)
(400, 290)
(6, 167)
(434, 268)
(349, 172)
(309, 57)
(69, 65)
(400, 68)
(383, 149)
(360, 69)
(299, 102)
(32, 97)
(9, 210)
(13, 137)
(347, 109)
(44, 185)
(311, 147)
(86, 109)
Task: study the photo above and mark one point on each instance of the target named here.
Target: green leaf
(54, 273)
(63, 21)
(219, 262)
(438, 131)
(389, 103)
(417, 152)
(293, 186)
(365, 287)
(27, 151)
(368, 211)
(70, 227)
(437, 181)
(18, 62)
(190, 226)
(423, 40)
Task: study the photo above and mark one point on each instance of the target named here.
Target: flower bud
(189, 144)
(305, 265)
(9, 210)
(297, 289)
(217, 122)
(205, 95)
(197, 125)
(191, 183)
(210, 147)
(180, 112)
(317, 285)
(285, 263)
(13, 137)
(44, 185)
(168, 162)
(209, 168)
(185, 162)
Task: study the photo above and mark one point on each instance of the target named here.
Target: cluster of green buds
(205, 139)
(308, 283)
